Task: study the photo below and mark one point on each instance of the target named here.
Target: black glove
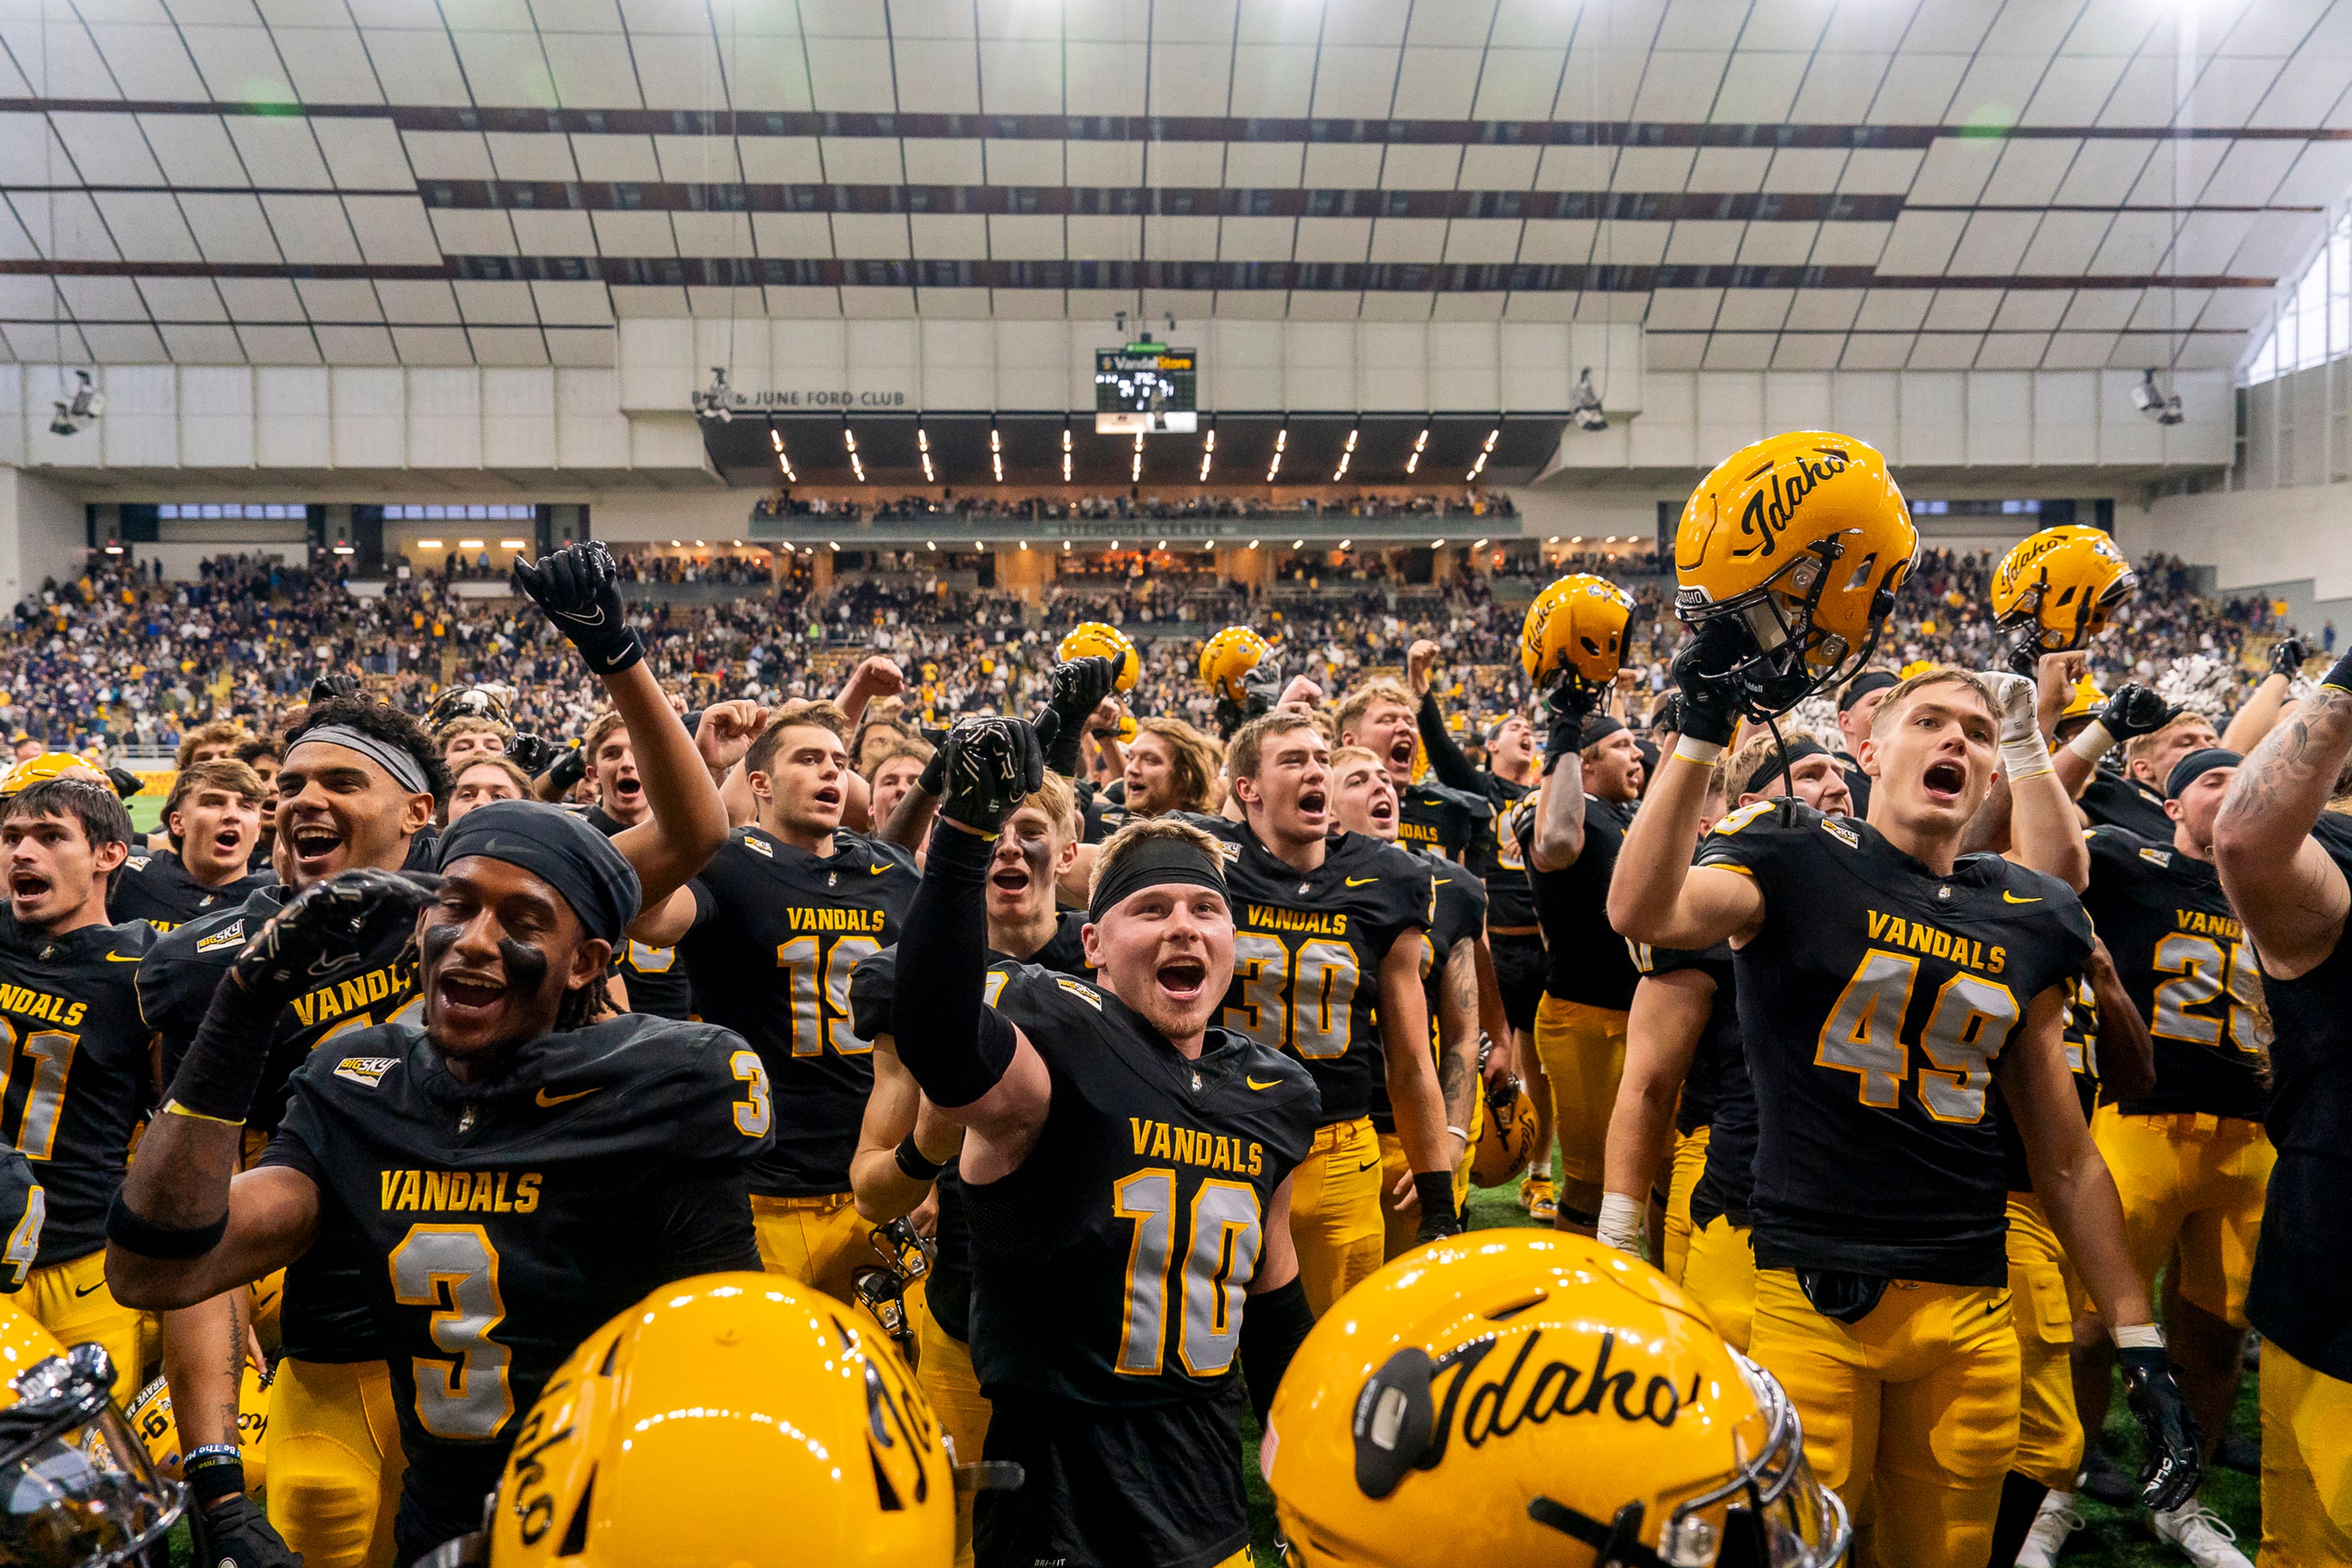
(2176, 1448)
(531, 753)
(568, 769)
(1567, 705)
(1438, 1220)
(325, 929)
(327, 686)
(2287, 656)
(992, 763)
(1702, 671)
(1080, 687)
(234, 1533)
(126, 783)
(576, 587)
(2134, 710)
(1668, 718)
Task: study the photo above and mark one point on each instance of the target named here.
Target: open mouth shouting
(229, 842)
(1183, 979)
(1401, 754)
(1313, 802)
(27, 887)
(317, 845)
(1009, 878)
(1943, 782)
(1383, 812)
(464, 996)
(628, 789)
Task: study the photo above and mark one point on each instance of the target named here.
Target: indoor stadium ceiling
(1785, 183)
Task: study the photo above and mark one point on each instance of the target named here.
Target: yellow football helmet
(1799, 543)
(2086, 700)
(46, 766)
(1228, 659)
(151, 1417)
(2057, 589)
(1127, 729)
(76, 1486)
(657, 1439)
(1095, 639)
(1537, 1398)
(1507, 1144)
(1575, 631)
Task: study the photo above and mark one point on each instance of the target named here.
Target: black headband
(1155, 862)
(1863, 685)
(2203, 760)
(560, 850)
(1776, 763)
(1599, 727)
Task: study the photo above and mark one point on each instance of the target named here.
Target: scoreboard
(1144, 389)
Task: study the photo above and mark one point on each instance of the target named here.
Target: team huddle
(811, 1135)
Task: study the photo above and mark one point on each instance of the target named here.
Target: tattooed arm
(2286, 887)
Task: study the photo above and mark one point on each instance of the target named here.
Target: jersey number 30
(1965, 1031)
(1220, 1259)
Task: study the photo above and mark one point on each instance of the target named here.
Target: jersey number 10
(1220, 1260)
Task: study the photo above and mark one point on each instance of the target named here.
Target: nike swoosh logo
(595, 618)
(875, 870)
(93, 1291)
(550, 1101)
(1367, 1166)
(1442, 882)
(1254, 1084)
(1360, 881)
(2008, 898)
(123, 957)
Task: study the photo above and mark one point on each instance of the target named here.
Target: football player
(2291, 890)
(69, 1004)
(508, 1175)
(1327, 968)
(482, 781)
(656, 980)
(771, 930)
(906, 1148)
(1170, 766)
(358, 787)
(261, 753)
(2189, 1157)
(212, 820)
(1129, 1166)
(1378, 716)
(471, 736)
(1364, 801)
(1883, 979)
(1856, 704)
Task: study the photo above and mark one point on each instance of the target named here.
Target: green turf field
(146, 811)
(2109, 1540)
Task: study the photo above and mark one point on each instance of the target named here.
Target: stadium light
(834, 546)
(512, 544)
(1480, 466)
(930, 544)
(849, 439)
(1208, 451)
(1419, 442)
(1437, 545)
(996, 454)
(1134, 469)
(1281, 441)
(469, 544)
(784, 459)
(1253, 544)
(1347, 543)
(923, 446)
(1065, 451)
(1478, 544)
(435, 544)
(1298, 544)
(1346, 456)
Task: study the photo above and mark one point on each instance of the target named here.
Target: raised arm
(2260, 713)
(2286, 887)
(1662, 1035)
(2044, 833)
(1446, 759)
(2129, 712)
(889, 1175)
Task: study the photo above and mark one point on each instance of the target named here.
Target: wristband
(1435, 1191)
(2025, 758)
(2093, 743)
(127, 1230)
(1691, 749)
(2139, 1337)
(913, 1164)
(1460, 1132)
(1620, 1223)
(213, 1471)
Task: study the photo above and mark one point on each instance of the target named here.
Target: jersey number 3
(1965, 1031)
(1220, 1260)
(454, 1269)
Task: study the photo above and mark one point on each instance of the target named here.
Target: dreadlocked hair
(583, 1008)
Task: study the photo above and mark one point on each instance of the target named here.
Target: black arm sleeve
(956, 1046)
(1446, 759)
(1272, 1328)
(221, 1073)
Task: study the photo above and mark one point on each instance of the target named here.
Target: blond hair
(1245, 753)
(1365, 697)
(1191, 758)
(1058, 799)
(1347, 754)
(2140, 748)
(1941, 675)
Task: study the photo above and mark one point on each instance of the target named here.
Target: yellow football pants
(944, 1373)
(1400, 1228)
(1690, 1162)
(1583, 1054)
(1910, 1415)
(2198, 1182)
(2306, 1464)
(71, 1299)
(819, 1241)
(1720, 1272)
(2041, 1299)
(335, 1461)
(1335, 1210)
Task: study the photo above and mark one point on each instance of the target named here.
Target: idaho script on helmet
(1765, 520)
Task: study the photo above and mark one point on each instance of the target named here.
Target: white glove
(1620, 1223)
(2024, 751)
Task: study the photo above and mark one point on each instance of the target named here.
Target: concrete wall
(44, 531)
(2293, 544)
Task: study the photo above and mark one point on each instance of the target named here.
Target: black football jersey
(1308, 948)
(777, 933)
(655, 976)
(2190, 971)
(325, 1316)
(1873, 1004)
(23, 1208)
(1585, 960)
(2298, 1298)
(1715, 1095)
(79, 1075)
(1458, 916)
(499, 1224)
(1496, 856)
(2113, 799)
(156, 888)
(946, 1289)
(1102, 815)
(1112, 1266)
(1431, 817)
(1857, 784)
